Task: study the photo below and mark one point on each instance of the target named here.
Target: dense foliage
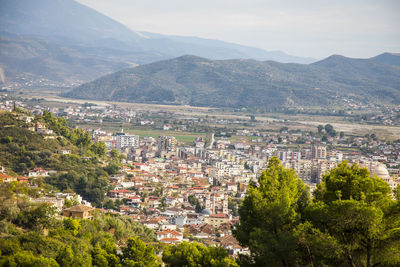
(269, 216)
(69, 242)
(78, 137)
(352, 220)
(359, 212)
(22, 150)
(195, 254)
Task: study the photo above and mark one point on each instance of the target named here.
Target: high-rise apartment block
(318, 152)
(167, 143)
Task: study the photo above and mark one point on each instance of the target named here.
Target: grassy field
(183, 137)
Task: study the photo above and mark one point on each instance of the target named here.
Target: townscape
(190, 189)
(199, 133)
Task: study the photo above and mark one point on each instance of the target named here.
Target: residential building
(124, 140)
(38, 172)
(167, 143)
(79, 211)
(216, 220)
(318, 152)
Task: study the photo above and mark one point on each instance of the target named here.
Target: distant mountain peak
(390, 54)
(388, 58)
(60, 18)
(192, 58)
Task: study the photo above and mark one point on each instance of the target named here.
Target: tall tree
(356, 209)
(269, 216)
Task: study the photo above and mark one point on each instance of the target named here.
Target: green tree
(232, 206)
(65, 256)
(108, 250)
(72, 225)
(269, 215)
(320, 129)
(99, 148)
(396, 192)
(71, 202)
(246, 166)
(38, 217)
(112, 168)
(352, 182)
(328, 128)
(7, 140)
(99, 256)
(115, 155)
(82, 255)
(195, 254)
(138, 254)
(355, 209)
(26, 258)
(316, 247)
(193, 200)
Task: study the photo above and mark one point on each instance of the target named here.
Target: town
(191, 188)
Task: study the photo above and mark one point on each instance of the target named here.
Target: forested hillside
(267, 85)
(33, 234)
(23, 149)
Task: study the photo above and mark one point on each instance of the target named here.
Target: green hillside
(33, 234)
(248, 83)
(22, 149)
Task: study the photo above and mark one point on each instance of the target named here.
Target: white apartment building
(124, 140)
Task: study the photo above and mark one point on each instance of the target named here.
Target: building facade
(124, 140)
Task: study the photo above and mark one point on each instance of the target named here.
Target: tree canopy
(269, 215)
(353, 220)
(68, 242)
(195, 254)
(358, 210)
(138, 254)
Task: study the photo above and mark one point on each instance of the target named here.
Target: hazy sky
(314, 28)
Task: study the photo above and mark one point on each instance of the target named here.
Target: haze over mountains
(63, 40)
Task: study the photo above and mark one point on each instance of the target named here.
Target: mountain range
(191, 80)
(67, 42)
(63, 40)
